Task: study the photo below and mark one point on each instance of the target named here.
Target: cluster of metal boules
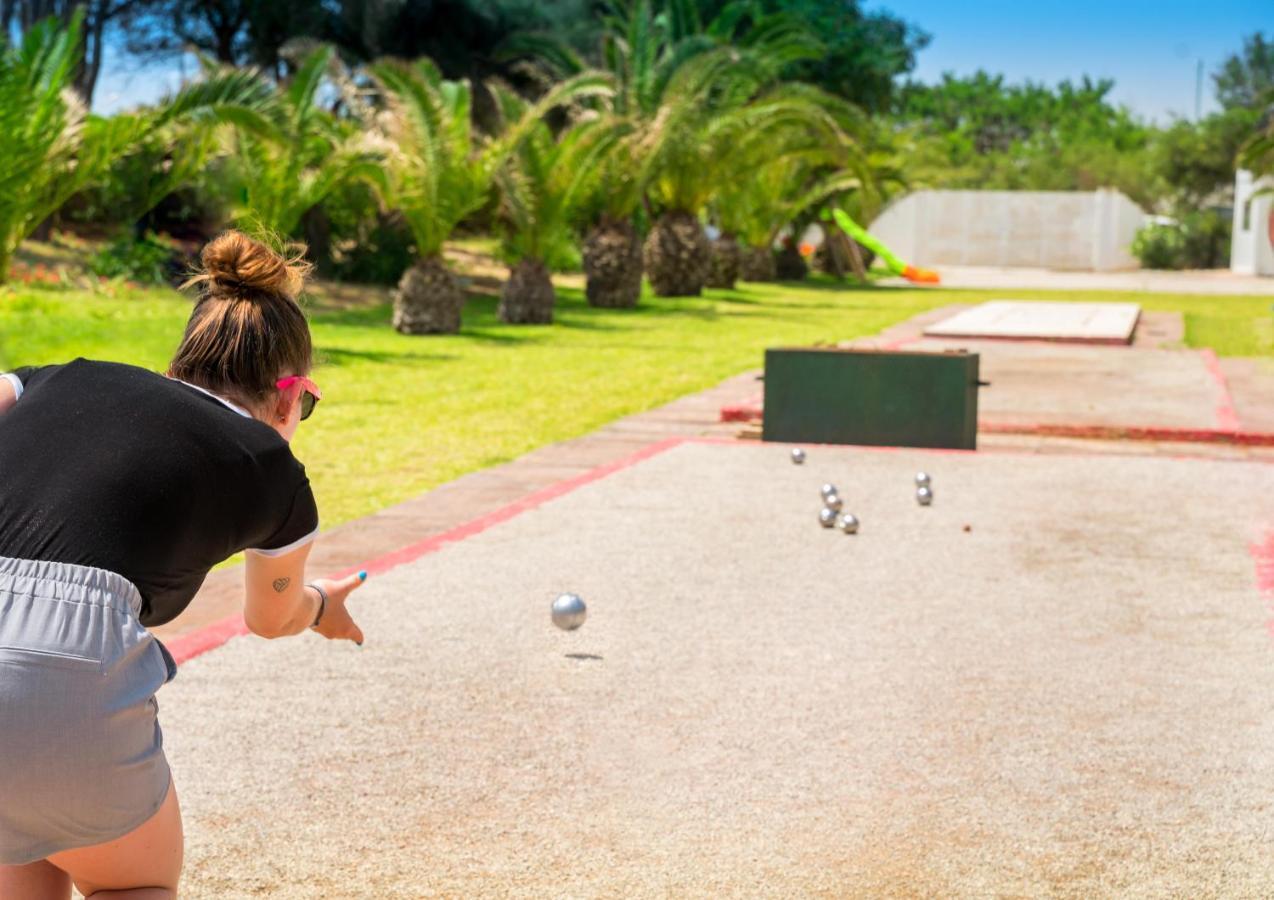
(833, 513)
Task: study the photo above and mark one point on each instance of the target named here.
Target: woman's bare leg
(144, 864)
(37, 881)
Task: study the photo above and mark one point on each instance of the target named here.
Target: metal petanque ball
(922, 479)
(798, 455)
(827, 518)
(848, 523)
(827, 490)
(924, 496)
(833, 502)
(569, 612)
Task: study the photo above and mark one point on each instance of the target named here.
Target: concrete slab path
(1085, 323)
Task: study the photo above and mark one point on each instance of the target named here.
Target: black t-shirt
(109, 465)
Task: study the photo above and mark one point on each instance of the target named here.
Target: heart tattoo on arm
(281, 584)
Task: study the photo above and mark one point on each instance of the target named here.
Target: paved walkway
(1157, 381)
(1203, 281)
(1156, 389)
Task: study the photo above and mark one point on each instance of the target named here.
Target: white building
(1081, 230)
(1252, 244)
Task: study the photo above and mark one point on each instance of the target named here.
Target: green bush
(1199, 240)
(379, 255)
(1159, 246)
(1207, 238)
(363, 243)
(150, 259)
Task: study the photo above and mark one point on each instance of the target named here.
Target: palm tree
(186, 133)
(817, 152)
(720, 100)
(637, 53)
(665, 96)
(52, 147)
(540, 188)
(286, 159)
(437, 173)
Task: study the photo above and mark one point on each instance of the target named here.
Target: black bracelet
(322, 604)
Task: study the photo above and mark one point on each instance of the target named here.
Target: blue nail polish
(362, 576)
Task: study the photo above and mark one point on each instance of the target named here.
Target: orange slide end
(920, 276)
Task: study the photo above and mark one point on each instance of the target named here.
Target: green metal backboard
(873, 397)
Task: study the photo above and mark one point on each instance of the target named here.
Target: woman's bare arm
(279, 604)
(276, 602)
(8, 396)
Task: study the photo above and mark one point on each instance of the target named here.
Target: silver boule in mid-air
(833, 502)
(798, 455)
(923, 479)
(848, 523)
(924, 496)
(569, 612)
(827, 518)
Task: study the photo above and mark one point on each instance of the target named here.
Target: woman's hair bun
(237, 265)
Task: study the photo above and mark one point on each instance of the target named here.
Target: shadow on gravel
(582, 656)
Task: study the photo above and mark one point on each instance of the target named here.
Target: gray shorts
(81, 754)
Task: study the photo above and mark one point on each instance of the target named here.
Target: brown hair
(247, 328)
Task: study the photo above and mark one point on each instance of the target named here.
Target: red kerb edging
(188, 646)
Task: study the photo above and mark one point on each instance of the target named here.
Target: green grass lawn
(403, 414)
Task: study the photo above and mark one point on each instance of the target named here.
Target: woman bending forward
(119, 490)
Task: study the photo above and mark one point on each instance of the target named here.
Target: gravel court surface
(1073, 698)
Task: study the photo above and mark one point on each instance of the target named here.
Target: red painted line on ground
(1133, 433)
(1263, 557)
(1226, 416)
(983, 451)
(1237, 436)
(188, 646)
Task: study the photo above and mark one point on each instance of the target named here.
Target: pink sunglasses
(312, 393)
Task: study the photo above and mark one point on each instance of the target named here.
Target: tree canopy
(1246, 79)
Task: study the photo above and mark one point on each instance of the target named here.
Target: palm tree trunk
(726, 259)
(790, 265)
(428, 299)
(612, 262)
(527, 297)
(676, 255)
(757, 264)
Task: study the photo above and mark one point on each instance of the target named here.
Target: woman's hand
(336, 623)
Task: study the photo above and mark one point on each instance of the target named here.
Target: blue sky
(1151, 49)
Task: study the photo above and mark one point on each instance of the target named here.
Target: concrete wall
(1041, 229)
(1252, 243)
